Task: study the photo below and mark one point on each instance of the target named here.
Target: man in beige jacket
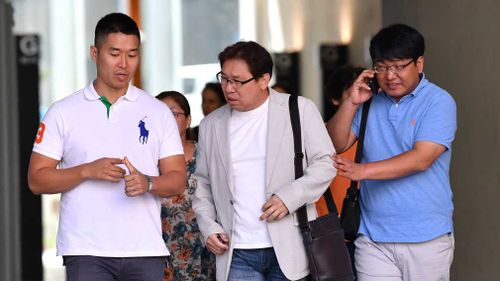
(247, 195)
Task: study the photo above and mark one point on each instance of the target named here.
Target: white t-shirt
(96, 217)
(248, 141)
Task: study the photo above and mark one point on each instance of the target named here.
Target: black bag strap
(352, 191)
(293, 106)
(299, 156)
(330, 204)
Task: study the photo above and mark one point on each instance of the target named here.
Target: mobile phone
(373, 84)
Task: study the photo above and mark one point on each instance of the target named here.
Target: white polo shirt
(97, 218)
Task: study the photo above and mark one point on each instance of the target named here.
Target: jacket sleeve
(203, 201)
(318, 163)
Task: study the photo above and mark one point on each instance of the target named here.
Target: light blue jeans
(255, 265)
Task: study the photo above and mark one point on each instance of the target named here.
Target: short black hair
(397, 41)
(217, 89)
(340, 80)
(257, 57)
(114, 23)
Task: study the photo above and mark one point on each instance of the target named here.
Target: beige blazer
(213, 200)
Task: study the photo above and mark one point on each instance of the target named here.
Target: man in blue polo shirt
(406, 199)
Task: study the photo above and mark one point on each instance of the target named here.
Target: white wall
(303, 25)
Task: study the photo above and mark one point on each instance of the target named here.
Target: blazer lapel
(222, 135)
(277, 123)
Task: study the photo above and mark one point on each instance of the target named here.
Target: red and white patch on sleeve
(39, 135)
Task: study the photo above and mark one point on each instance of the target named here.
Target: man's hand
(218, 243)
(274, 209)
(104, 169)
(347, 168)
(135, 183)
(360, 91)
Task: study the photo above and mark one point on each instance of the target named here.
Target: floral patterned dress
(189, 259)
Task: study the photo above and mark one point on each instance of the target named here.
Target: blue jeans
(255, 265)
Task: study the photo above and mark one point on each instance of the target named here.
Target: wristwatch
(150, 182)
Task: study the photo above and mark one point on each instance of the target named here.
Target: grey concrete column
(10, 268)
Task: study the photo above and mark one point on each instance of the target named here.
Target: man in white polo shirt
(112, 151)
(247, 195)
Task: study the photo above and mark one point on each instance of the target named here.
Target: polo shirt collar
(91, 94)
(423, 82)
(131, 94)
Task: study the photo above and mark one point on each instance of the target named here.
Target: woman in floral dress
(189, 259)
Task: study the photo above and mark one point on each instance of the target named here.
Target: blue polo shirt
(417, 207)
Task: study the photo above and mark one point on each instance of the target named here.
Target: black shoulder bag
(324, 237)
(350, 216)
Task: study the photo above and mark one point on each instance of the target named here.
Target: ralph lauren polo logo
(144, 133)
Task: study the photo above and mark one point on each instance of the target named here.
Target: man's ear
(93, 53)
(264, 81)
(420, 64)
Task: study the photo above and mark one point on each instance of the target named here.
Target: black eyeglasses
(392, 68)
(236, 83)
